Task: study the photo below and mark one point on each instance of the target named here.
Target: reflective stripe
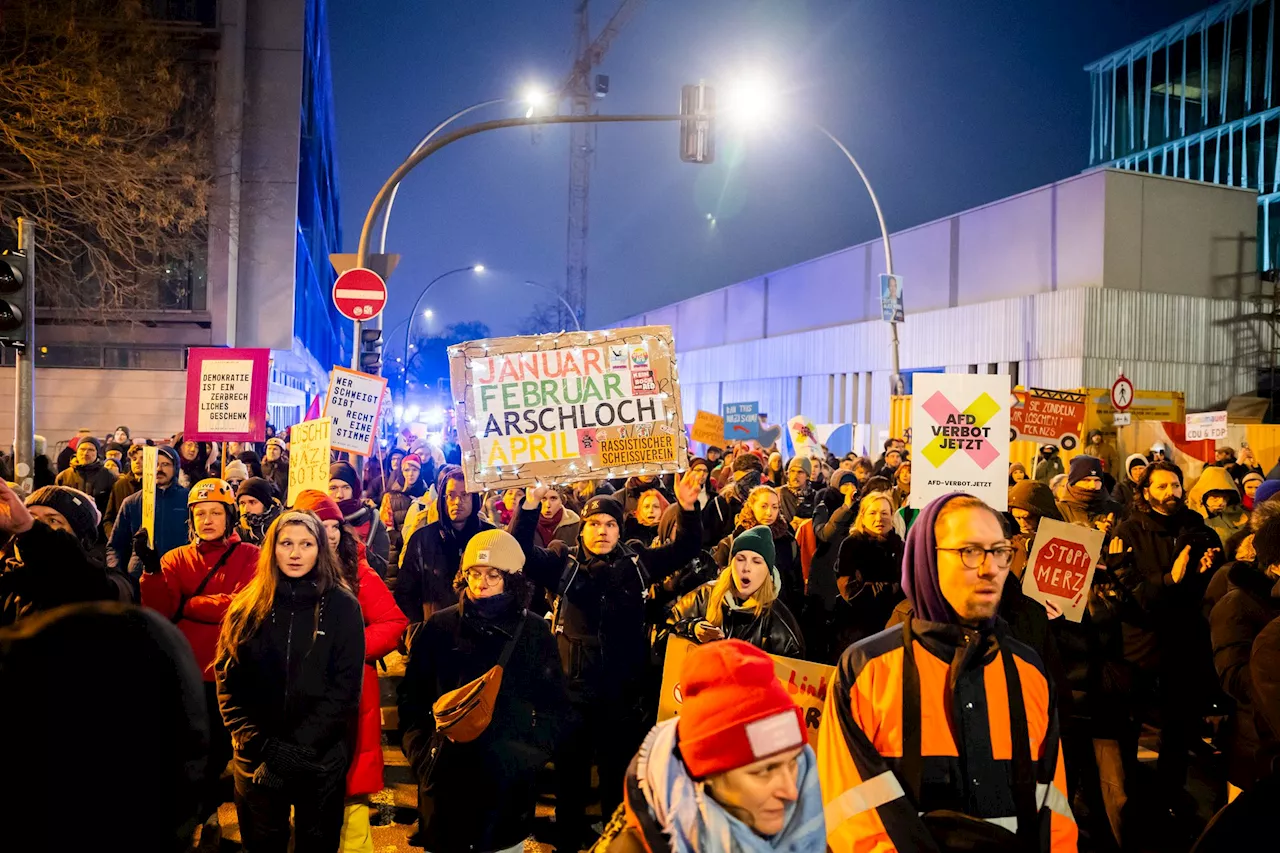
(1049, 795)
(1009, 823)
(871, 794)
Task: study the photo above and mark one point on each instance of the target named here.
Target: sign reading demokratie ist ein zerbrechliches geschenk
(568, 406)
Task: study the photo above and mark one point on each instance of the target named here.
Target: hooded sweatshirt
(431, 557)
(1227, 521)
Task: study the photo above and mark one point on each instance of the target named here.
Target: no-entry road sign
(360, 294)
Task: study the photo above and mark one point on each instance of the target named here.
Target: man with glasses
(942, 732)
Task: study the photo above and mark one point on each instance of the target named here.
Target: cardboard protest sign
(1206, 426)
(1048, 417)
(708, 429)
(150, 456)
(1061, 564)
(960, 432)
(806, 682)
(309, 454)
(804, 437)
(741, 421)
(572, 406)
(226, 394)
(353, 403)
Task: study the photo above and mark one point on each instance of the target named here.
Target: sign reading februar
(741, 421)
(566, 407)
(960, 432)
(226, 394)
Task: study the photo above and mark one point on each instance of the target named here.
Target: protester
(1264, 675)
(1050, 464)
(1017, 473)
(395, 506)
(763, 509)
(1127, 482)
(599, 624)
(641, 524)
(250, 460)
(1249, 488)
(172, 515)
(953, 667)
(360, 515)
(833, 520)
(1085, 501)
(294, 631)
(258, 507)
(797, 498)
(110, 694)
(193, 586)
(743, 603)
(275, 468)
(1251, 601)
(126, 484)
(1100, 447)
(411, 471)
(702, 470)
(383, 625)
(733, 772)
(719, 518)
(44, 474)
(558, 523)
(235, 473)
(194, 461)
(1216, 497)
(480, 795)
(86, 473)
(432, 555)
(868, 572)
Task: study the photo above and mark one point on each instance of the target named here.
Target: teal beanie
(758, 539)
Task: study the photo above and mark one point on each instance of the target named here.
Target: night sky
(946, 104)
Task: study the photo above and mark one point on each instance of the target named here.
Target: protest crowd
(241, 632)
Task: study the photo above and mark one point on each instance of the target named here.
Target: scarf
(490, 608)
(547, 526)
(696, 823)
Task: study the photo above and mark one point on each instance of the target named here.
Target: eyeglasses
(974, 557)
(488, 577)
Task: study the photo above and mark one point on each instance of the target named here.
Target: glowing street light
(428, 314)
(750, 100)
(478, 268)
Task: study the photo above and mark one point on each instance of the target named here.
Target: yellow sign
(309, 455)
(708, 429)
(637, 451)
(149, 457)
(807, 683)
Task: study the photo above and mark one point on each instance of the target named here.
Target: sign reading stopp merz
(226, 394)
(1060, 566)
(569, 407)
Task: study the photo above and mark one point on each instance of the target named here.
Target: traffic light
(698, 128)
(371, 350)
(14, 281)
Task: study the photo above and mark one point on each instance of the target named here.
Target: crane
(579, 89)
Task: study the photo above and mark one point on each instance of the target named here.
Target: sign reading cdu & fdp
(741, 421)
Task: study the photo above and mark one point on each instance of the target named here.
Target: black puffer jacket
(1237, 619)
(455, 646)
(599, 623)
(297, 677)
(774, 631)
(869, 572)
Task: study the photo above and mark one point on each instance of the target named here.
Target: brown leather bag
(463, 714)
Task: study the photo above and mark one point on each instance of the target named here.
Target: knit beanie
(412, 459)
(74, 505)
(116, 446)
(172, 454)
(497, 549)
(758, 539)
(1266, 491)
(1134, 460)
(747, 462)
(803, 463)
(257, 488)
(698, 460)
(1084, 466)
(344, 472)
(236, 470)
(325, 508)
(97, 445)
(1266, 544)
(1251, 477)
(735, 711)
(606, 505)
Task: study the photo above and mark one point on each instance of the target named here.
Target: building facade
(273, 219)
(1059, 287)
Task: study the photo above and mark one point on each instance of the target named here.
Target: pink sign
(226, 394)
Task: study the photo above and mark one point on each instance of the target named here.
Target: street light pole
(408, 332)
(568, 307)
(895, 380)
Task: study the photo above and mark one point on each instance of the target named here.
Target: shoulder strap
(912, 760)
(199, 590)
(511, 644)
(1024, 782)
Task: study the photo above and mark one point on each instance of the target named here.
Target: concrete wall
(149, 402)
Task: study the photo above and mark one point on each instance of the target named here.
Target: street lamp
(408, 331)
(556, 294)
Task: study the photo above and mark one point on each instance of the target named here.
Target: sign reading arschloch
(573, 406)
(226, 394)
(960, 437)
(309, 453)
(353, 403)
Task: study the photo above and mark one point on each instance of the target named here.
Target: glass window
(68, 356)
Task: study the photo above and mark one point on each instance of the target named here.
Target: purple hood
(920, 566)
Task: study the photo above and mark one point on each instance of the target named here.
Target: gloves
(289, 758)
(147, 555)
(267, 779)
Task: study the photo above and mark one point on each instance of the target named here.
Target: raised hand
(533, 497)
(14, 516)
(687, 490)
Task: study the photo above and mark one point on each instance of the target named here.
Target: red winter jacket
(383, 624)
(181, 571)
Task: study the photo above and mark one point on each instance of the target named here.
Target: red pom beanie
(318, 502)
(735, 710)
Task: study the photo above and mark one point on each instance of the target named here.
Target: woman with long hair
(289, 665)
(742, 603)
(480, 795)
(383, 625)
(763, 508)
(642, 522)
(868, 572)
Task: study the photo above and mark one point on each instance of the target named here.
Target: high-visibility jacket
(907, 734)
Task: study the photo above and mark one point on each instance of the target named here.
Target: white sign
(226, 386)
(1205, 426)
(352, 403)
(309, 457)
(960, 437)
(1121, 419)
(1061, 564)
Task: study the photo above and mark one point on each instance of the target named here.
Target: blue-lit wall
(316, 322)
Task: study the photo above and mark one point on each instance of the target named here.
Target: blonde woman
(763, 509)
(742, 603)
(868, 572)
(289, 666)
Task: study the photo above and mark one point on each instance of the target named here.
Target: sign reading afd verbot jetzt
(960, 437)
(558, 408)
